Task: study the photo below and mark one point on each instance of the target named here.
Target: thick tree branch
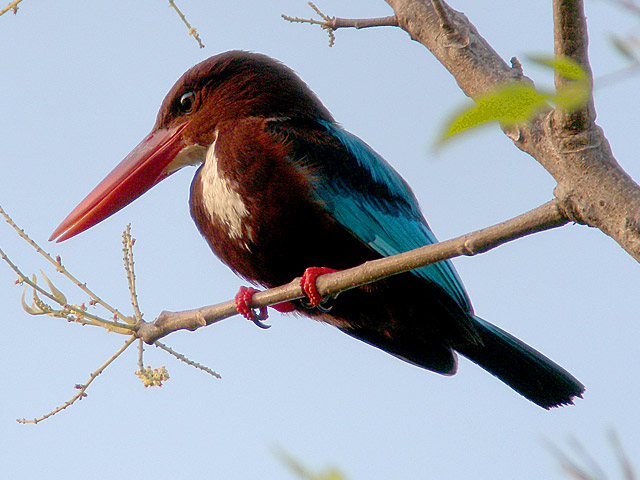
(542, 218)
(592, 187)
(571, 41)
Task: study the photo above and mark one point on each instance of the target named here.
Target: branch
(186, 360)
(592, 188)
(192, 31)
(331, 24)
(82, 388)
(78, 314)
(542, 218)
(127, 249)
(13, 6)
(570, 34)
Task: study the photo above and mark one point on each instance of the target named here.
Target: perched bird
(281, 188)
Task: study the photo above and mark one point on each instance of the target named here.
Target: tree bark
(592, 188)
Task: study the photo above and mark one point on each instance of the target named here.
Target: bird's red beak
(144, 167)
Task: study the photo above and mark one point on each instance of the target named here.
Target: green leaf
(508, 104)
(566, 67)
(303, 473)
(573, 96)
(513, 103)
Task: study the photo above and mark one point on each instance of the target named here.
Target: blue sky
(81, 86)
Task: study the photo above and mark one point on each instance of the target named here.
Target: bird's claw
(308, 285)
(256, 315)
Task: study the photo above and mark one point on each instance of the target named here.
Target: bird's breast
(253, 201)
(221, 200)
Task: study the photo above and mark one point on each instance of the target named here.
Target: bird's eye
(187, 101)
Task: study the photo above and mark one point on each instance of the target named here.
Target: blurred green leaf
(566, 67)
(303, 473)
(513, 103)
(573, 96)
(509, 104)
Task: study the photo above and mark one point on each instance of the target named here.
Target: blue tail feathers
(521, 367)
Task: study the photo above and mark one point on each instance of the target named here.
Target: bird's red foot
(243, 302)
(284, 307)
(308, 283)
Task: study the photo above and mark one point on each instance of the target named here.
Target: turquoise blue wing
(368, 197)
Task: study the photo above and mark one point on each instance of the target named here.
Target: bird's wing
(368, 197)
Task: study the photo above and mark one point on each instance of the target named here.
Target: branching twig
(57, 262)
(331, 24)
(78, 314)
(542, 218)
(74, 313)
(192, 30)
(82, 388)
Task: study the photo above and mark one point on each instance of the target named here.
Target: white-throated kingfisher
(282, 188)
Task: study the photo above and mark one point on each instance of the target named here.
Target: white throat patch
(189, 155)
(221, 198)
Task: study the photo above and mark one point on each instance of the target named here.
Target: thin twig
(57, 262)
(13, 6)
(140, 353)
(623, 459)
(127, 248)
(149, 376)
(616, 76)
(542, 218)
(569, 466)
(628, 5)
(192, 30)
(79, 313)
(587, 468)
(186, 360)
(82, 388)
